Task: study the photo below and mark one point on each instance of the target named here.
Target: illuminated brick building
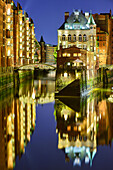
(50, 49)
(16, 36)
(104, 31)
(93, 32)
(6, 34)
(76, 57)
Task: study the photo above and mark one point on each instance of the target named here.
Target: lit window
(79, 54)
(68, 128)
(75, 128)
(20, 46)
(20, 28)
(65, 74)
(20, 22)
(8, 26)
(8, 53)
(91, 48)
(20, 34)
(75, 54)
(64, 54)
(8, 11)
(68, 55)
(8, 20)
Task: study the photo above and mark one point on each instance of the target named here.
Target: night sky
(48, 15)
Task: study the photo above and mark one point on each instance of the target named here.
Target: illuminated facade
(78, 29)
(16, 36)
(83, 126)
(6, 35)
(77, 131)
(50, 50)
(76, 57)
(104, 22)
(17, 123)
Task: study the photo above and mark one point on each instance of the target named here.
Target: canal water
(39, 131)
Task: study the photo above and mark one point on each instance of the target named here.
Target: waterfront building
(16, 36)
(6, 35)
(74, 56)
(104, 31)
(78, 29)
(50, 51)
(93, 32)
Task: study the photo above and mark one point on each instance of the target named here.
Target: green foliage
(55, 54)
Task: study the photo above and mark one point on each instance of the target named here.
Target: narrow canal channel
(40, 132)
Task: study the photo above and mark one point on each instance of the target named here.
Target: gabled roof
(75, 18)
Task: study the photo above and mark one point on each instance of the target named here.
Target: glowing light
(8, 11)
(65, 74)
(68, 128)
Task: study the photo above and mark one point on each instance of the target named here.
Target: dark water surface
(38, 131)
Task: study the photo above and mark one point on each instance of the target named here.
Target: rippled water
(38, 131)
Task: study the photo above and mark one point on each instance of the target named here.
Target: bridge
(41, 66)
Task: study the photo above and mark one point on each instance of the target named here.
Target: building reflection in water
(17, 123)
(82, 125)
(18, 117)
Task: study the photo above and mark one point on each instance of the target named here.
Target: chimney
(66, 15)
(110, 11)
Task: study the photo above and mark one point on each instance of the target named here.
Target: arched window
(63, 37)
(74, 37)
(84, 37)
(80, 37)
(69, 37)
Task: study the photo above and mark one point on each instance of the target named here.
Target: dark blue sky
(48, 15)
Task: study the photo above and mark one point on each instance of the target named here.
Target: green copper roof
(91, 20)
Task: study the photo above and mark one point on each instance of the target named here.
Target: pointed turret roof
(41, 39)
(91, 20)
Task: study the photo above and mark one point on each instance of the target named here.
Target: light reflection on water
(77, 129)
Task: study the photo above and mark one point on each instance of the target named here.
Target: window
(91, 48)
(75, 55)
(69, 37)
(74, 37)
(85, 47)
(79, 54)
(63, 37)
(84, 38)
(80, 37)
(97, 38)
